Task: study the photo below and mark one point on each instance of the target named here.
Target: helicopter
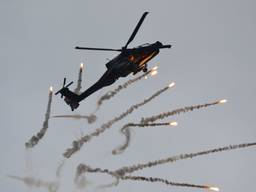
(130, 60)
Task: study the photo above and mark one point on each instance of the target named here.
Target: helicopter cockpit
(143, 45)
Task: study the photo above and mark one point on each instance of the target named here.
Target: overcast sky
(213, 57)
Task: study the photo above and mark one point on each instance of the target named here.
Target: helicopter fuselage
(129, 61)
(133, 60)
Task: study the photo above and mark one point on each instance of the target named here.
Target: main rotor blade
(64, 82)
(136, 29)
(97, 49)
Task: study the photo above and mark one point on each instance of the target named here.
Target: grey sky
(213, 57)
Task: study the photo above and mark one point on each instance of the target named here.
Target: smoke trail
(161, 180)
(145, 122)
(79, 80)
(122, 172)
(180, 110)
(127, 133)
(111, 94)
(28, 161)
(80, 179)
(125, 130)
(36, 138)
(37, 183)
(79, 143)
(81, 169)
(173, 123)
(133, 168)
(90, 118)
(113, 184)
(59, 169)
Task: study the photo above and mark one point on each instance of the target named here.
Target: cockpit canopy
(143, 45)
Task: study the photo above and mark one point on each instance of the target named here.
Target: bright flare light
(82, 65)
(146, 77)
(51, 89)
(153, 73)
(173, 123)
(214, 189)
(171, 84)
(154, 68)
(223, 101)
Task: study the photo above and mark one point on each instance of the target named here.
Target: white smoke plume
(36, 138)
(59, 169)
(125, 130)
(77, 144)
(90, 118)
(28, 161)
(121, 174)
(133, 168)
(80, 179)
(37, 183)
(166, 182)
(33, 182)
(127, 133)
(112, 93)
(81, 169)
(180, 110)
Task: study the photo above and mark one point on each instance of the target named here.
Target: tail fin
(72, 102)
(70, 97)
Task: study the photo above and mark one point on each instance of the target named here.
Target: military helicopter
(130, 60)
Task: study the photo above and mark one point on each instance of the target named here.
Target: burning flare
(173, 123)
(214, 188)
(81, 65)
(223, 101)
(51, 89)
(171, 84)
(79, 80)
(124, 172)
(153, 73)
